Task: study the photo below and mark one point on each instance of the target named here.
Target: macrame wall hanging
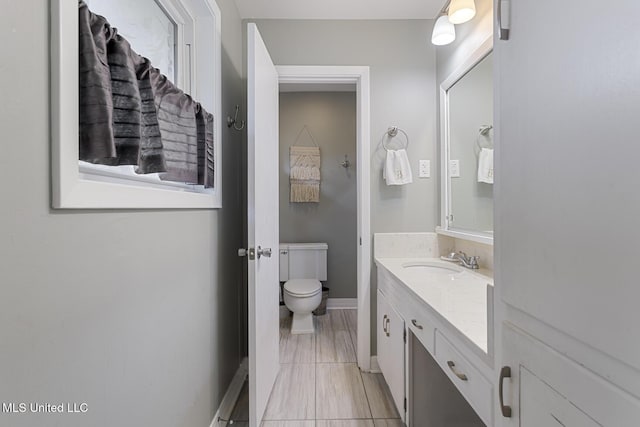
(304, 175)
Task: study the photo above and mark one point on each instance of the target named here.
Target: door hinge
(360, 241)
(404, 335)
(405, 404)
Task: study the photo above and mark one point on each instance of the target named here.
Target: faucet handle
(473, 261)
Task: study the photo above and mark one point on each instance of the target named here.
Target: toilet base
(302, 323)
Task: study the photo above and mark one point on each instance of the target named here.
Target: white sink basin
(433, 267)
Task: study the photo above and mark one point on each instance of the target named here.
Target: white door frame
(358, 76)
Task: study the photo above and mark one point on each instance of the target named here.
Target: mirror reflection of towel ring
(234, 120)
(484, 132)
(392, 132)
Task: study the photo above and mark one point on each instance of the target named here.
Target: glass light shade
(461, 11)
(443, 31)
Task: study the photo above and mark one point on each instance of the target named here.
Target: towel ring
(484, 131)
(392, 132)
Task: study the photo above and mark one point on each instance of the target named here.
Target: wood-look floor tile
(293, 395)
(388, 423)
(338, 320)
(296, 423)
(351, 317)
(241, 409)
(297, 348)
(354, 338)
(340, 392)
(344, 423)
(379, 396)
(333, 346)
(285, 326)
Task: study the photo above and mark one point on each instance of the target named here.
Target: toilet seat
(303, 287)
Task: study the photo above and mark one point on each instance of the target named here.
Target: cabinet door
(391, 350)
(567, 91)
(567, 111)
(542, 406)
(546, 387)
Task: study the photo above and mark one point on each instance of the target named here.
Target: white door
(262, 209)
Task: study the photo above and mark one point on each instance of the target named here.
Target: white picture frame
(75, 189)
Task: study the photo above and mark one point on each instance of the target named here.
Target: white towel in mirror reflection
(397, 170)
(485, 166)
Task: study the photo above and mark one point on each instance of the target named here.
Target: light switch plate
(425, 168)
(454, 168)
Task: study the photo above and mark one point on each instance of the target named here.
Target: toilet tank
(303, 261)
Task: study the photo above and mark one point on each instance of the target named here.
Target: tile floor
(320, 385)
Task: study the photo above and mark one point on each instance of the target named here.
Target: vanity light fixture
(453, 12)
(461, 11)
(443, 31)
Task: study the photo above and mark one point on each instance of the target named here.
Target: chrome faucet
(464, 260)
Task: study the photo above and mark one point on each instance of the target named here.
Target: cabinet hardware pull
(452, 366)
(505, 372)
(388, 326)
(415, 323)
(504, 19)
(384, 324)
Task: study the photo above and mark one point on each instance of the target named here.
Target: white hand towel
(397, 170)
(485, 166)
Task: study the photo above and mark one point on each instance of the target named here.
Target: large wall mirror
(467, 149)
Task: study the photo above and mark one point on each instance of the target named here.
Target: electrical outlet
(425, 168)
(454, 168)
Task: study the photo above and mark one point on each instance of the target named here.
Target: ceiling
(340, 9)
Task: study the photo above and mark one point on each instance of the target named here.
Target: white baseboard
(231, 396)
(342, 303)
(375, 368)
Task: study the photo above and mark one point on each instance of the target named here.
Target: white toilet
(302, 267)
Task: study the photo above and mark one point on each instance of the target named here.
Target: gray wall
(403, 93)
(331, 117)
(133, 312)
(402, 66)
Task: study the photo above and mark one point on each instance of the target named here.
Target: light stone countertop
(461, 298)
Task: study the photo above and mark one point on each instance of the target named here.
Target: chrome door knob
(263, 252)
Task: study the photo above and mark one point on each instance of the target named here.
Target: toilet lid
(303, 287)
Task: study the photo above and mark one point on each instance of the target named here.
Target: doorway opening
(344, 82)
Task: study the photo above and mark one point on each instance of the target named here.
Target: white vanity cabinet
(402, 313)
(391, 350)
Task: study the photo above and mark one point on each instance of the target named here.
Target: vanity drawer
(420, 325)
(472, 384)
